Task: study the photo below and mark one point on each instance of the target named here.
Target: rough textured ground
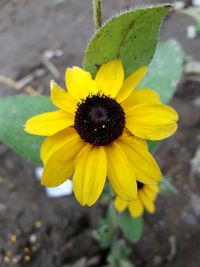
(42, 232)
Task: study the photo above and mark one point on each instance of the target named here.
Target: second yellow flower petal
(153, 122)
(141, 97)
(110, 78)
(53, 143)
(142, 162)
(80, 83)
(136, 208)
(90, 174)
(60, 162)
(62, 99)
(47, 124)
(120, 204)
(120, 175)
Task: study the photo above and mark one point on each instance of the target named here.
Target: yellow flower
(146, 197)
(99, 131)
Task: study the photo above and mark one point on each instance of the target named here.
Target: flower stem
(115, 245)
(97, 13)
(115, 224)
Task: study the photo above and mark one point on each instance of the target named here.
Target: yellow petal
(136, 208)
(110, 78)
(90, 174)
(120, 175)
(153, 122)
(140, 97)
(148, 204)
(49, 123)
(80, 83)
(62, 99)
(53, 143)
(120, 204)
(142, 162)
(60, 164)
(131, 83)
(154, 188)
(149, 193)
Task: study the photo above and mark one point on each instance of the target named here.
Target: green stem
(97, 13)
(115, 245)
(115, 224)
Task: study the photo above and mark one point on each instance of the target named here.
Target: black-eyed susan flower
(99, 131)
(147, 195)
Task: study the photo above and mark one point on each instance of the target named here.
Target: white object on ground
(191, 32)
(64, 189)
(196, 3)
(53, 53)
(33, 239)
(38, 172)
(178, 5)
(192, 67)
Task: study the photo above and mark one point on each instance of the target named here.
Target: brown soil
(43, 232)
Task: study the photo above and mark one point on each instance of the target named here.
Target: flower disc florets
(140, 185)
(99, 120)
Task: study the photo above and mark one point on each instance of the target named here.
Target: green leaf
(198, 27)
(106, 196)
(167, 188)
(130, 37)
(119, 254)
(58, 2)
(153, 146)
(165, 70)
(105, 232)
(104, 235)
(131, 227)
(14, 111)
(126, 263)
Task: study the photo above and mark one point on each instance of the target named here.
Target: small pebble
(178, 5)
(2, 207)
(33, 239)
(188, 218)
(13, 239)
(6, 259)
(15, 260)
(38, 172)
(191, 32)
(38, 224)
(27, 258)
(34, 248)
(53, 53)
(196, 102)
(157, 260)
(196, 3)
(26, 249)
(8, 253)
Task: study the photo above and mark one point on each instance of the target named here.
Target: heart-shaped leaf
(130, 37)
(14, 111)
(165, 70)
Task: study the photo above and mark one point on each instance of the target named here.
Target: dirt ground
(38, 231)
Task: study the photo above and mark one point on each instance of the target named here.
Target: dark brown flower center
(99, 120)
(140, 185)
